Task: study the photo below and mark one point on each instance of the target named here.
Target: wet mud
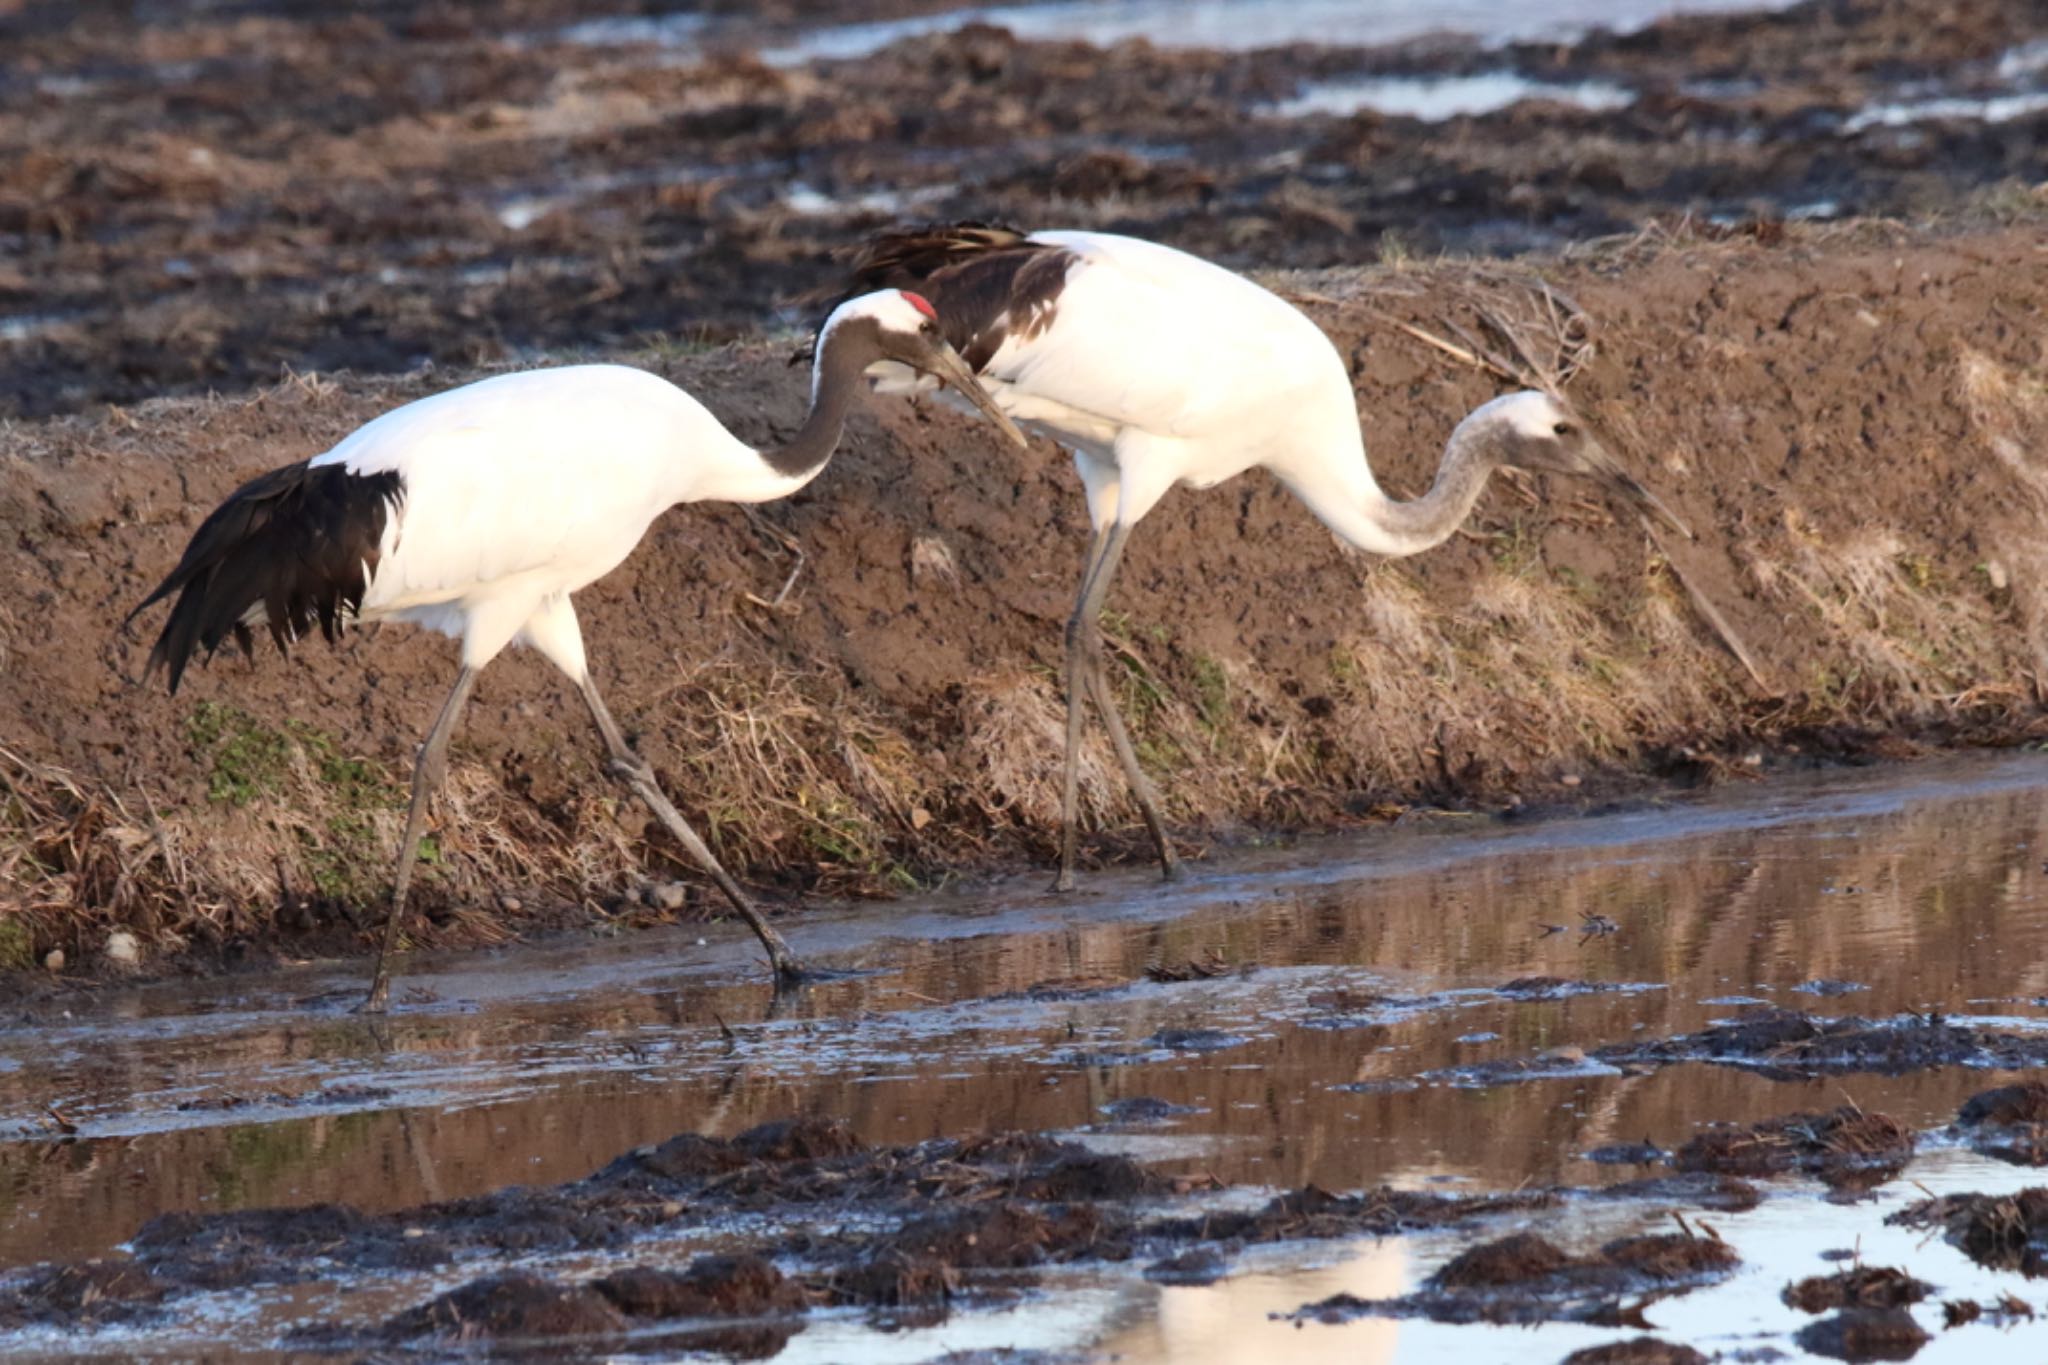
(780, 1198)
(1730, 1070)
(510, 179)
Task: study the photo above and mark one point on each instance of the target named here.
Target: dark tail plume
(289, 549)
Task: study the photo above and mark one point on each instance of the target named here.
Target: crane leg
(1086, 681)
(427, 775)
(634, 771)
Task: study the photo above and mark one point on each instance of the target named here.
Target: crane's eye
(929, 328)
(1562, 429)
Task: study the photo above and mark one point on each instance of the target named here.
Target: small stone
(124, 949)
(54, 960)
(1570, 779)
(511, 905)
(668, 895)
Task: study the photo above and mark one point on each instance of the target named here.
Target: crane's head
(1540, 431)
(896, 325)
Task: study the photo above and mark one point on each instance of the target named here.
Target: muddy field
(202, 201)
(1547, 986)
(1751, 1075)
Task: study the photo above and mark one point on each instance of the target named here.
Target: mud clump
(712, 1287)
(1641, 1351)
(1865, 1334)
(1703, 1189)
(513, 1305)
(1525, 1278)
(1083, 1174)
(1145, 1109)
(1863, 1287)
(1550, 988)
(2010, 1122)
(1512, 1260)
(905, 1289)
(82, 1293)
(1792, 1043)
(1314, 1214)
(807, 1139)
(2006, 1311)
(1844, 1146)
(1644, 1153)
(1203, 1265)
(1009, 1235)
(2000, 1232)
(280, 1246)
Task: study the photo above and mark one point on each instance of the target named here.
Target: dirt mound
(1863, 1287)
(914, 714)
(1793, 1044)
(1525, 1278)
(1313, 1213)
(1721, 1193)
(2010, 1122)
(517, 1304)
(712, 1287)
(1865, 1334)
(2003, 1232)
(1842, 1146)
(486, 185)
(82, 1294)
(1641, 1351)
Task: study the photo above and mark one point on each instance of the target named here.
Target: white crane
(1154, 368)
(477, 512)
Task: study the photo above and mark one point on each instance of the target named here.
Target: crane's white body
(523, 488)
(1160, 368)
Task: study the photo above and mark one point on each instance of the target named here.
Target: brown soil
(516, 1304)
(917, 717)
(1863, 1287)
(1845, 1145)
(2010, 1122)
(366, 190)
(1525, 1278)
(902, 1233)
(1641, 1351)
(2004, 1232)
(1793, 1044)
(1865, 1334)
(895, 720)
(1700, 1189)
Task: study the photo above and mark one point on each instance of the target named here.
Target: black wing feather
(300, 542)
(985, 281)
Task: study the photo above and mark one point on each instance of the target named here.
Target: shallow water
(1924, 886)
(1231, 24)
(1435, 98)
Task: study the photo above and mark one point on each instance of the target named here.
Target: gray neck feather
(1475, 448)
(835, 379)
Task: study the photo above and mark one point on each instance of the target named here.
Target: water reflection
(1367, 962)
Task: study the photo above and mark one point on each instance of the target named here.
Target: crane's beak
(945, 364)
(1605, 468)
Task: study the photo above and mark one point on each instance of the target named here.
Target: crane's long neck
(1340, 489)
(835, 380)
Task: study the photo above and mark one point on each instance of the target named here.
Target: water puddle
(1459, 1008)
(1238, 25)
(1988, 109)
(1435, 98)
